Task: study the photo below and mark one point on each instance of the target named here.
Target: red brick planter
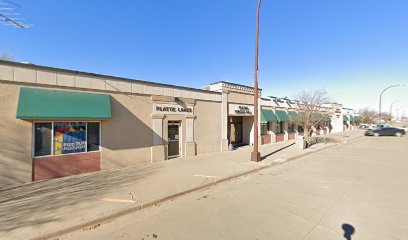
(280, 137)
(266, 139)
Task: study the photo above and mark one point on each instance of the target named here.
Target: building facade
(57, 122)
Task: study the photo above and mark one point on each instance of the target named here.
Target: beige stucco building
(57, 122)
(45, 132)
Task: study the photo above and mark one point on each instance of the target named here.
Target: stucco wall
(247, 128)
(15, 139)
(242, 98)
(207, 126)
(128, 136)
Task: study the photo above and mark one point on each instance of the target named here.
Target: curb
(111, 217)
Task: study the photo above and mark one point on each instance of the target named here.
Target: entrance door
(235, 130)
(174, 139)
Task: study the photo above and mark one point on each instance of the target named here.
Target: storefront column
(190, 148)
(158, 150)
(286, 130)
(296, 126)
(224, 121)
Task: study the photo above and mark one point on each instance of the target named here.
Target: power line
(10, 15)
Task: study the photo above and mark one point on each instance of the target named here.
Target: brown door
(174, 140)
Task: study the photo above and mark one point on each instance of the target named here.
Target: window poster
(69, 137)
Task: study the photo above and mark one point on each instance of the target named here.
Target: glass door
(174, 140)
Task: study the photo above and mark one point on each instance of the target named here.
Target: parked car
(385, 131)
(364, 126)
(372, 126)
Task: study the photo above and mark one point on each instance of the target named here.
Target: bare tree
(370, 116)
(6, 56)
(311, 107)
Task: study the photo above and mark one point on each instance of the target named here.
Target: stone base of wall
(224, 146)
(65, 165)
(190, 149)
(158, 153)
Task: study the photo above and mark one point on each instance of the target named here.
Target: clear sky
(353, 48)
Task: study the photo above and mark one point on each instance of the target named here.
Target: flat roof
(236, 84)
(22, 64)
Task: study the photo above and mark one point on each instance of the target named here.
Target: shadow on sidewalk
(276, 151)
(38, 203)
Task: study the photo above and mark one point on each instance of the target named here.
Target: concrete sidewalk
(40, 210)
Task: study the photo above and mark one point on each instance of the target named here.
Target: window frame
(267, 128)
(291, 128)
(52, 138)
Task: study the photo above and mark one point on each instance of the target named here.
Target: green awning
(35, 103)
(351, 118)
(345, 118)
(268, 116)
(282, 116)
(326, 118)
(293, 116)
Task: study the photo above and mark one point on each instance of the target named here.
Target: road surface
(359, 187)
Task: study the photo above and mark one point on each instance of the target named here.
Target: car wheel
(398, 134)
(376, 134)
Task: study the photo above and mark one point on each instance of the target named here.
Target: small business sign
(240, 109)
(164, 108)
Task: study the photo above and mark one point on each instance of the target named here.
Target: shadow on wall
(15, 159)
(38, 203)
(348, 231)
(125, 130)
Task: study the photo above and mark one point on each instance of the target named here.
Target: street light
(256, 155)
(392, 86)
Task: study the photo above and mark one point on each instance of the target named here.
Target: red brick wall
(266, 139)
(280, 137)
(65, 165)
(291, 136)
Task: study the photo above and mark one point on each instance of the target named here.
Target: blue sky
(353, 48)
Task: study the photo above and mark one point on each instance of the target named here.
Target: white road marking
(206, 176)
(117, 200)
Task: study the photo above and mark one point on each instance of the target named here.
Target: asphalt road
(361, 186)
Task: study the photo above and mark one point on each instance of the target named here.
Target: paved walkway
(43, 208)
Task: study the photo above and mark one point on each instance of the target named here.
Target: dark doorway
(235, 130)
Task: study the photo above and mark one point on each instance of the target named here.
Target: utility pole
(256, 155)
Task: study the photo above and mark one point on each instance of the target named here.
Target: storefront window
(42, 139)
(279, 128)
(66, 138)
(264, 128)
(300, 129)
(69, 137)
(93, 136)
(291, 127)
